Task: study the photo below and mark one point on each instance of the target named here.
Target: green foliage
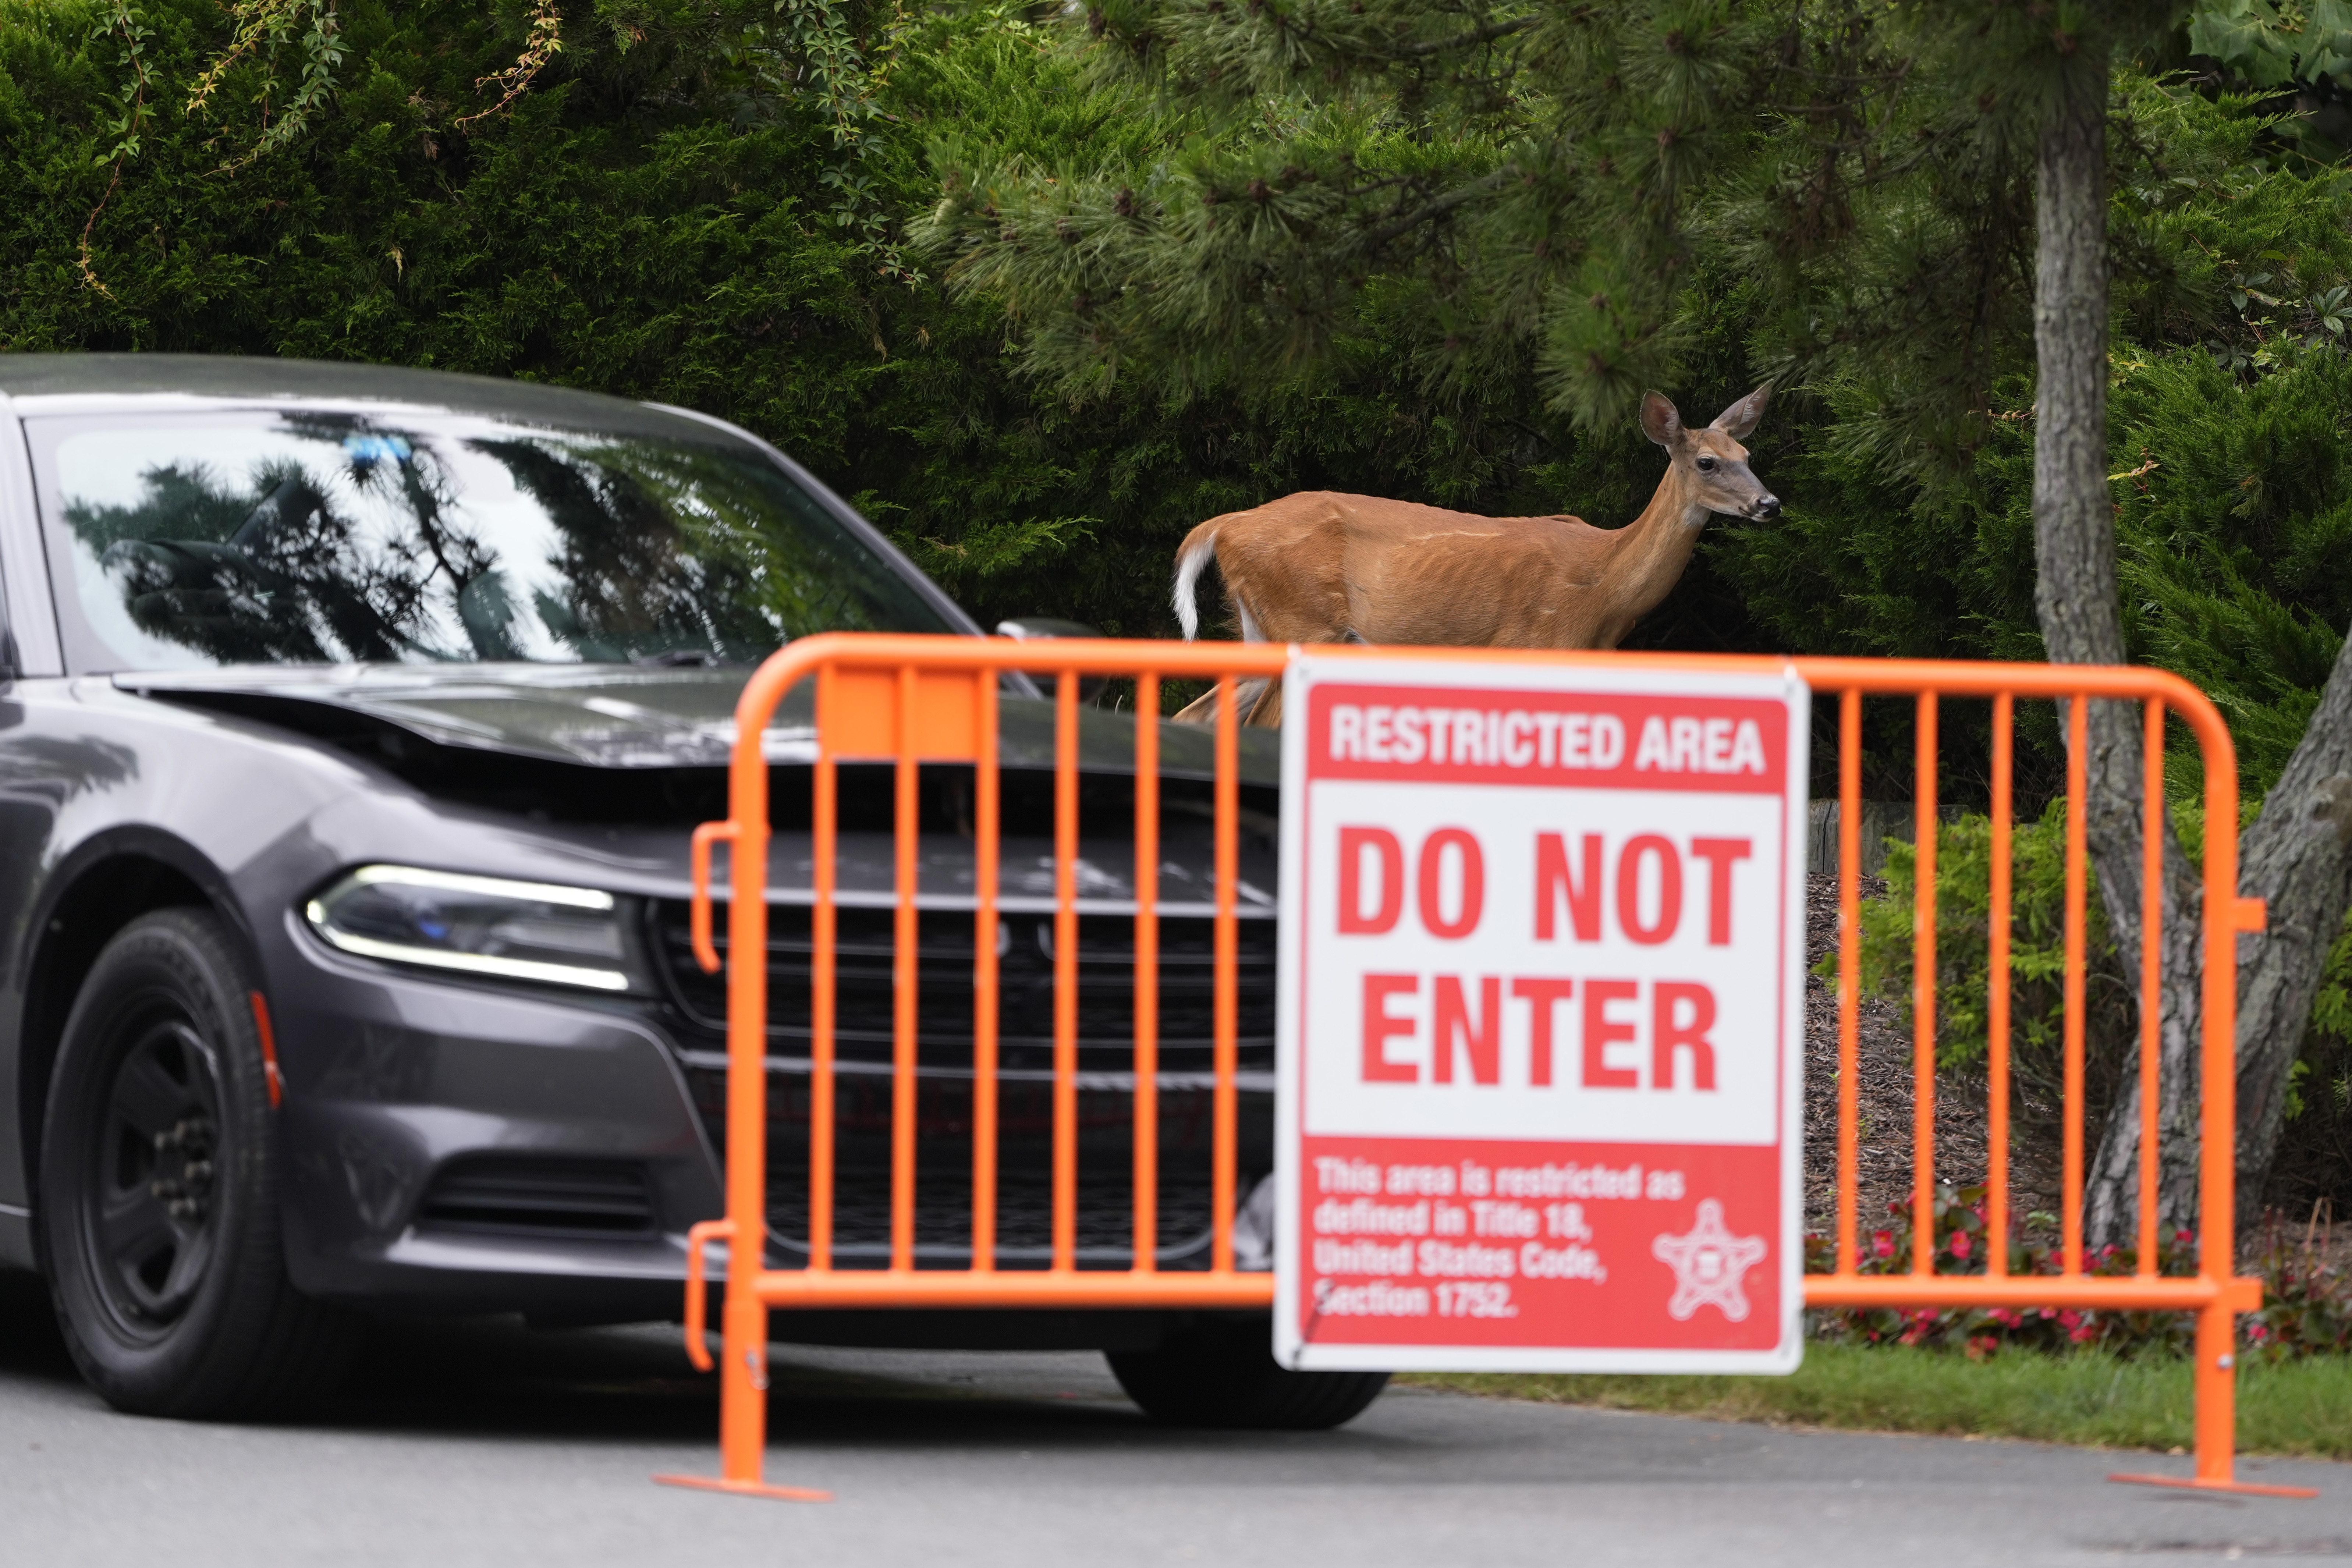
(2037, 936)
(2228, 398)
(2316, 1162)
(701, 204)
(1538, 208)
(2234, 534)
(266, 29)
(1521, 180)
(2271, 44)
(708, 204)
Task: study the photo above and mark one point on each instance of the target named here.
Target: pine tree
(1514, 181)
(1913, 199)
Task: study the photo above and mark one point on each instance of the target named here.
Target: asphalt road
(490, 1445)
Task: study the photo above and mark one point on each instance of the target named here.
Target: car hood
(621, 716)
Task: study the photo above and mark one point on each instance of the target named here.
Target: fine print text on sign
(1540, 1016)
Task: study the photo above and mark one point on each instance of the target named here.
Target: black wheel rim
(153, 1203)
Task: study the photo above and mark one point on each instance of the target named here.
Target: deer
(1322, 567)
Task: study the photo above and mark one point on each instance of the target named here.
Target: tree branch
(2298, 857)
(1471, 39)
(1435, 208)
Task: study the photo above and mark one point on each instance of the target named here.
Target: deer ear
(1739, 420)
(1659, 421)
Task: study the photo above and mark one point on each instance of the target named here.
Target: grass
(2299, 1407)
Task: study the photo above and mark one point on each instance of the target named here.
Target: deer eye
(1707, 465)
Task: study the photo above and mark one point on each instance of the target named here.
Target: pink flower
(2067, 1319)
(2182, 1236)
(1882, 1243)
(2257, 1333)
(2004, 1317)
(2083, 1334)
(1960, 1244)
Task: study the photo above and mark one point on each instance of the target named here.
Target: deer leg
(1249, 696)
(1260, 700)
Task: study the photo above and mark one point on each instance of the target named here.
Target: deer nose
(1766, 507)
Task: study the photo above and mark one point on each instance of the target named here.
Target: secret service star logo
(1709, 1265)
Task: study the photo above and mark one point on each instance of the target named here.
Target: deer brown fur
(1321, 567)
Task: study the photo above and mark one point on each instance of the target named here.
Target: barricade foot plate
(2196, 1484)
(745, 1489)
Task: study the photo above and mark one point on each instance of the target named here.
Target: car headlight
(476, 925)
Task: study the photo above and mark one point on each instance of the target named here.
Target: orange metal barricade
(915, 700)
(2215, 1293)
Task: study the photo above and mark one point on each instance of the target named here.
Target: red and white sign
(1540, 1024)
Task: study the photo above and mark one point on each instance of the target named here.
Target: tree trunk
(2298, 860)
(2297, 857)
(2077, 601)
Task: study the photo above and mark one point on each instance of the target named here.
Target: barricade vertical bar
(986, 829)
(2151, 973)
(2077, 877)
(743, 1328)
(743, 1369)
(1066, 971)
(1147, 972)
(2004, 726)
(1923, 998)
(825, 822)
(2226, 915)
(905, 968)
(1849, 970)
(1225, 1130)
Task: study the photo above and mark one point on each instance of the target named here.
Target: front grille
(863, 1040)
(863, 988)
(542, 1196)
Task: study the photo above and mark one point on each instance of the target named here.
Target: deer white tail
(1196, 553)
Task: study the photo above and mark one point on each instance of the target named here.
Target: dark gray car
(353, 725)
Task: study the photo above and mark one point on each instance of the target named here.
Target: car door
(31, 669)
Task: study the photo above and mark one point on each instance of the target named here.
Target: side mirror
(1046, 628)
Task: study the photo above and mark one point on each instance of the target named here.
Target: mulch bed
(1887, 1094)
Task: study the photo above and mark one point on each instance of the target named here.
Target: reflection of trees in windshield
(347, 540)
(667, 548)
(265, 572)
(636, 586)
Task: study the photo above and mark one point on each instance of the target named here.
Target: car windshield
(321, 537)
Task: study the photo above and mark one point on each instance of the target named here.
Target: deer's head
(1710, 463)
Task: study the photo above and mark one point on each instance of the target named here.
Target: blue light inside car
(376, 449)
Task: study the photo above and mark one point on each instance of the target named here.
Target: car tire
(159, 1224)
(1222, 1372)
